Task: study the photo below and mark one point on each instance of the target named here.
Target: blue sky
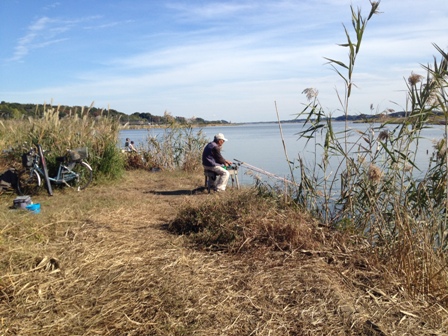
(216, 60)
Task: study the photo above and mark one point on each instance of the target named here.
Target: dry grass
(102, 262)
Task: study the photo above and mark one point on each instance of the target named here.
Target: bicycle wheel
(84, 175)
(29, 182)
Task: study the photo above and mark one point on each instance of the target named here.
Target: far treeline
(19, 111)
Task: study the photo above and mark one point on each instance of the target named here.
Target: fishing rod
(262, 171)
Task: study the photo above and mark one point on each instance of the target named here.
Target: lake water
(261, 146)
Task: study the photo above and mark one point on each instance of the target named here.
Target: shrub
(244, 220)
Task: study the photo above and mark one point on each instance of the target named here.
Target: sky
(239, 61)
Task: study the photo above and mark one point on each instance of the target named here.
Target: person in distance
(132, 147)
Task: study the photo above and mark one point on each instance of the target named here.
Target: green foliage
(22, 111)
(11, 111)
(111, 164)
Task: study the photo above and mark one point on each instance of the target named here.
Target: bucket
(34, 207)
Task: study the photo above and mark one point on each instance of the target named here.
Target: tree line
(19, 111)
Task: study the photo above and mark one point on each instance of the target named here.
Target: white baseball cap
(220, 136)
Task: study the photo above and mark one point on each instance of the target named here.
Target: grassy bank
(110, 261)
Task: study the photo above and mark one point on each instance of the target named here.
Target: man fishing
(212, 160)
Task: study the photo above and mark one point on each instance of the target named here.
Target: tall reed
(177, 147)
(56, 135)
(375, 187)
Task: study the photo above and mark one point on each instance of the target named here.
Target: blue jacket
(211, 156)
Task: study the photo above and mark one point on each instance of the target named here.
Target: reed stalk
(375, 188)
(290, 164)
(178, 147)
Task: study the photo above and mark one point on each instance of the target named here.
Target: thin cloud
(108, 25)
(43, 32)
(51, 6)
(208, 10)
(26, 43)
